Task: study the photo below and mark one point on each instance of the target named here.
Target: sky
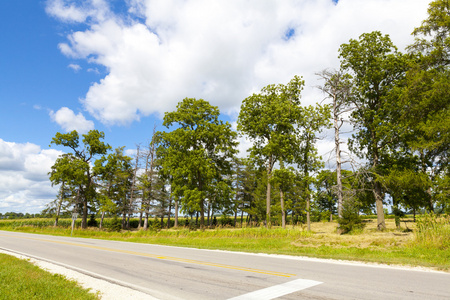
(119, 65)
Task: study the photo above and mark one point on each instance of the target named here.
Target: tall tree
(148, 179)
(337, 86)
(115, 177)
(377, 68)
(313, 119)
(426, 100)
(197, 152)
(75, 169)
(269, 119)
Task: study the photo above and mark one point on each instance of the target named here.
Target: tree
(61, 203)
(197, 152)
(377, 68)
(426, 117)
(313, 119)
(284, 179)
(74, 168)
(115, 173)
(337, 86)
(269, 119)
(326, 191)
(148, 179)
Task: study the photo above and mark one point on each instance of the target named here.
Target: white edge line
(278, 290)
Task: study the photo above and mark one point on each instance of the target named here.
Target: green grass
(19, 279)
(426, 246)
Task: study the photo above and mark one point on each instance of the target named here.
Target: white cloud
(24, 183)
(221, 51)
(68, 121)
(68, 11)
(74, 67)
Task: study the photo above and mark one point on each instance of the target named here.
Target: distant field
(427, 247)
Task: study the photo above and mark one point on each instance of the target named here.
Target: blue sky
(118, 65)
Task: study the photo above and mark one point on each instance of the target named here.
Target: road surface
(183, 273)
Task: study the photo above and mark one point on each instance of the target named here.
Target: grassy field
(22, 280)
(425, 243)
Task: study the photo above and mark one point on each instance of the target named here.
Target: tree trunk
(170, 212)
(124, 220)
(101, 220)
(176, 214)
(308, 196)
(58, 210)
(381, 225)
(140, 220)
(308, 217)
(283, 212)
(208, 211)
(146, 221)
(85, 213)
(269, 175)
(338, 157)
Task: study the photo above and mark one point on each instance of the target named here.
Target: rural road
(182, 273)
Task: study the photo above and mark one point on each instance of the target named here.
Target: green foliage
(269, 120)
(156, 224)
(74, 169)
(115, 224)
(197, 153)
(351, 220)
(92, 221)
(377, 69)
(114, 182)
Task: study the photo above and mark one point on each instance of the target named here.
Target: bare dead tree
(337, 86)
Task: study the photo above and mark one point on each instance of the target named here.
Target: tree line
(397, 103)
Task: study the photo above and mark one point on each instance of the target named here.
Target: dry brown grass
(325, 235)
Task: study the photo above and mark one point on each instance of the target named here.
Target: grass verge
(22, 280)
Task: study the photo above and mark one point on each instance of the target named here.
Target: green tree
(377, 68)
(426, 117)
(74, 168)
(115, 173)
(197, 152)
(284, 179)
(269, 119)
(313, 119)
(326, 191)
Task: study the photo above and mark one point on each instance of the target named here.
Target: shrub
(115, 224)
(350, 219)
(92, 221)
(226, 221)
(156, 224)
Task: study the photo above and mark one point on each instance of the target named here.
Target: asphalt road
(183, 273)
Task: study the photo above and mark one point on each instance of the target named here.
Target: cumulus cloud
(222, 51)
(24, 183)
(68, 120)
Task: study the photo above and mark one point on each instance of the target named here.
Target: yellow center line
(163, 257)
